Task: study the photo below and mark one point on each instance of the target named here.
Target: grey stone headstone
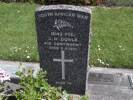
(63, 41)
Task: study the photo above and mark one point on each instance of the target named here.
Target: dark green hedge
(75, 2)
(65, 1)
(79, 2)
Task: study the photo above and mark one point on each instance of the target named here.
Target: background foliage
(119, 3)
(76, 2)
(79, 2)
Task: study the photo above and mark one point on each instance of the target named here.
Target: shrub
(36, 88)
(33, 87)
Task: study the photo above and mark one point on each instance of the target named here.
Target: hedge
(75, 2)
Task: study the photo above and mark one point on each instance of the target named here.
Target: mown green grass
(112, 30)
(17, 32)
(112, 40)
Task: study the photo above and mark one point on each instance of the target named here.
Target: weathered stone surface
(13, 66)
(11, 88)
(109, 84)
(63, 37)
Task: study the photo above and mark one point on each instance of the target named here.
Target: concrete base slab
(109, 84)
(14, 66)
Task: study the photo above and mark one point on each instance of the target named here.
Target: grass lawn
(112, 40)
(17, 32)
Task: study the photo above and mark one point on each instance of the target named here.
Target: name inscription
(59, 40)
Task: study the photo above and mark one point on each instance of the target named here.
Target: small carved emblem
(59, 24)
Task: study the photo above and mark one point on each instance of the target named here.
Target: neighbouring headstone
(63, 41)
(109, 84)
(130, 77)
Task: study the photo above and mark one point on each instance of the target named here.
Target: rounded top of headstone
(64, 7)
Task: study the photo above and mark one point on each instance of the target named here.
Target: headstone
(63, 37)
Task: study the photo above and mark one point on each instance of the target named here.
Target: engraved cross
(63, 60)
